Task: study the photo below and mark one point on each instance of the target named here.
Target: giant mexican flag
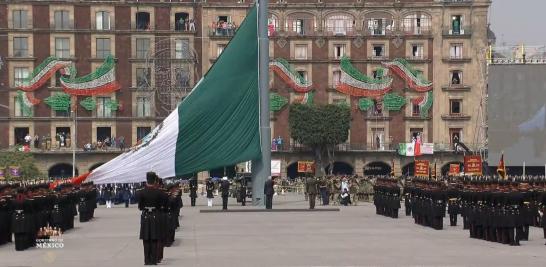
(216, 125)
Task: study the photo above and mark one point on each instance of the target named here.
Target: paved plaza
(354, 236)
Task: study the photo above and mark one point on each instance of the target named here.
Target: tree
(320, 128)
(24, 161)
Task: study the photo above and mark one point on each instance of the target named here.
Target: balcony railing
(416, 30)
(462, 31)
(456, 87)
(222, 31)
(340, 31)
(456, 117)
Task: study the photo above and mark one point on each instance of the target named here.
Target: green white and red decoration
(112, 104)
(393, 102)
(100, 82)
(43, 73)
(413, 78)
(89, 103)
(365, 103)
(25, 103)
(277, 102)
(59, 102)
(355, 83)
(306, 99)
(289, 75)
(425, 103)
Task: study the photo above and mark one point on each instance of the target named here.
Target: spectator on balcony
(274, 144)
(36, 141)
(192, 25)
(224, 28)
(181, 23)
(121, 143)
(279, 143)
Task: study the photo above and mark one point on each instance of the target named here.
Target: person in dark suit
(312, 190)
(268, 192)
(224, 186)
(193, 191)
(242, 191)
(150, 200)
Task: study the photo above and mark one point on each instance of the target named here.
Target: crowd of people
(106, 144)
(223, 28)
(33, 209)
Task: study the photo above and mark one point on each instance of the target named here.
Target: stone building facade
(160, 55)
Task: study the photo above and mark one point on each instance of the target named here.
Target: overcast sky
(517, 21)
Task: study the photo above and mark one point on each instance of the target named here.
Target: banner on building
(14, 171)
(422, 168)
(410, 149)
(454, 169)
(306, 166)
(473, 165)
(275, 167)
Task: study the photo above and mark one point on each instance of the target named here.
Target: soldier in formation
(26, 209)
(160, 206)
(492, 209)
(387, 197)
(427, 201)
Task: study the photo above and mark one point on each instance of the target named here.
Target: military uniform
(151, 200)
(224, 186)
(311, 187)
(193, 191)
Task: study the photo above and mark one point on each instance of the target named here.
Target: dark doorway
(61, 170)
(228, 171)
(377, 168)
(19, 134)
(181, 21)
(143, 21)
(292, 171)
(340, 168)
(103, 133)
(409, 169)
(95, 166)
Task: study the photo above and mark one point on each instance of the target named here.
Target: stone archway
(341, 168)
(377, 168)
(292, 170)
(408, 169)
(96, 165)
(61, 170)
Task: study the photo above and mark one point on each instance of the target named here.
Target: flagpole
(261, 168)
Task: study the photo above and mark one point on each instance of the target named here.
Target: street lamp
(74, 138)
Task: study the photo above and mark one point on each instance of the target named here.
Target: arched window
(379, 23)
(340, 24)
(416, 24)
(300, 24)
